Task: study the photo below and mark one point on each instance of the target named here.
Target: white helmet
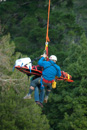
(53, 57)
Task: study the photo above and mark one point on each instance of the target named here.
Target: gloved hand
(44, 55)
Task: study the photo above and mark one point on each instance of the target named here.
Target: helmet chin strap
(54, 61)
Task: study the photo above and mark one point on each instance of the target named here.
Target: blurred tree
(67, 104)
(16, 113)
(28, 20)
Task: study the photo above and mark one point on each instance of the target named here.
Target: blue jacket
(49, 71)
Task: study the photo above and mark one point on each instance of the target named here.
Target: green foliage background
(22, 34)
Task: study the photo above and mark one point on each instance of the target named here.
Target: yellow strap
(68, 76)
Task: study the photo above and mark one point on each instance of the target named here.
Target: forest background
(22, 34)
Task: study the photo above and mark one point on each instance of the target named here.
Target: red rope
(47, 37)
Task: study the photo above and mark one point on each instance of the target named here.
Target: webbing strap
(13, 68)
(30, 68)
(42, 86)
(21, 64)
(47, 37)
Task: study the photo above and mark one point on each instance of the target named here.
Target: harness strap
(30, 68)
(42, 86)
(21, 64)
(48, 81)
(51, 65)
(13, 68)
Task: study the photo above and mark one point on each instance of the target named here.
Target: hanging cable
(47, 37)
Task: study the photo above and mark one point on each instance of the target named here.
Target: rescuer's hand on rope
(44, 55)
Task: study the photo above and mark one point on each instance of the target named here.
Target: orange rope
(47, 37)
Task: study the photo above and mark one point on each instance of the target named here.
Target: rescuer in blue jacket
(50, 70)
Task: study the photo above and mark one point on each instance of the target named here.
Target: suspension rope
(47, 37)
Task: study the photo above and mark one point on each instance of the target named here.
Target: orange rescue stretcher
(37, 70)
